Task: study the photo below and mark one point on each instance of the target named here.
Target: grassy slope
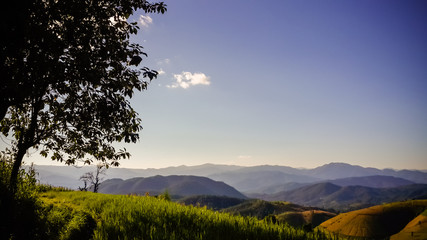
(285, 212)
(129, 217)
(298, 219)
(375, 222)
(416, 229)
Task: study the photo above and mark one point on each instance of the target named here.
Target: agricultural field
(145, 217)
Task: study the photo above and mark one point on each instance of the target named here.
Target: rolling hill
(178, 186)
(377, 222)
(285, 212)
(414, 230)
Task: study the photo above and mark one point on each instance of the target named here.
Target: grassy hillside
(135, 217)
(376, 222)
(282, 212)
(414, 230)
(311, 218)
(211, 202)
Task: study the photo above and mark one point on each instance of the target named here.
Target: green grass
(136, 217)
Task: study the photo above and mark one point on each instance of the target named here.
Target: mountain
(376, 181)
(327, 195)
(344, 170)
(381, 222)
(175, 185)
(254, 179)
(257, 179)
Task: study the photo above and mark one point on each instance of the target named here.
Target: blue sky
(295, 83)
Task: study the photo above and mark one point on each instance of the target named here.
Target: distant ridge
(176, 185)
(377, 181)
(256, 179)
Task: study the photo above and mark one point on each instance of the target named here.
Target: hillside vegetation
(380, 221)
(414, 230)
(136, 217)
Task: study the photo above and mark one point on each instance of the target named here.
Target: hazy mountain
(328, 195)
(372, 181)
(175, 185)
(253, 179)
(257, 179)
(344, 170)
(279, 188)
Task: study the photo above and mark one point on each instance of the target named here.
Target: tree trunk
(3, 110)
(15, 170)
(26, 141)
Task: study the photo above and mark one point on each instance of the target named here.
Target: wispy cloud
(188, 79)
(145, 21)
(161, 72)
(244, 157)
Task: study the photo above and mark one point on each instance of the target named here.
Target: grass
(136, 217)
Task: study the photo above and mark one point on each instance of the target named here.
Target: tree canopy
(68, 72)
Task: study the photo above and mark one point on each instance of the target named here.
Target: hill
(175, 185)
(414, 230)
(377, 222)
(85, 215)
(282, 212)
(328, 195)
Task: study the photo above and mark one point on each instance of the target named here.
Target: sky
(283, 82)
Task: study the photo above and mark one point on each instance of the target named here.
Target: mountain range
(257, 179)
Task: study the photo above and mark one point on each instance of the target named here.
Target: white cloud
(244, 157)
(145, 21)
(161, 72)
(188, 79)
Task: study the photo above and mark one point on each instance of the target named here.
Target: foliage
(211, 201)
(68, 72)
(19, 211)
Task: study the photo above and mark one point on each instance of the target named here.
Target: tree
(93, 179)
(67, 75)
